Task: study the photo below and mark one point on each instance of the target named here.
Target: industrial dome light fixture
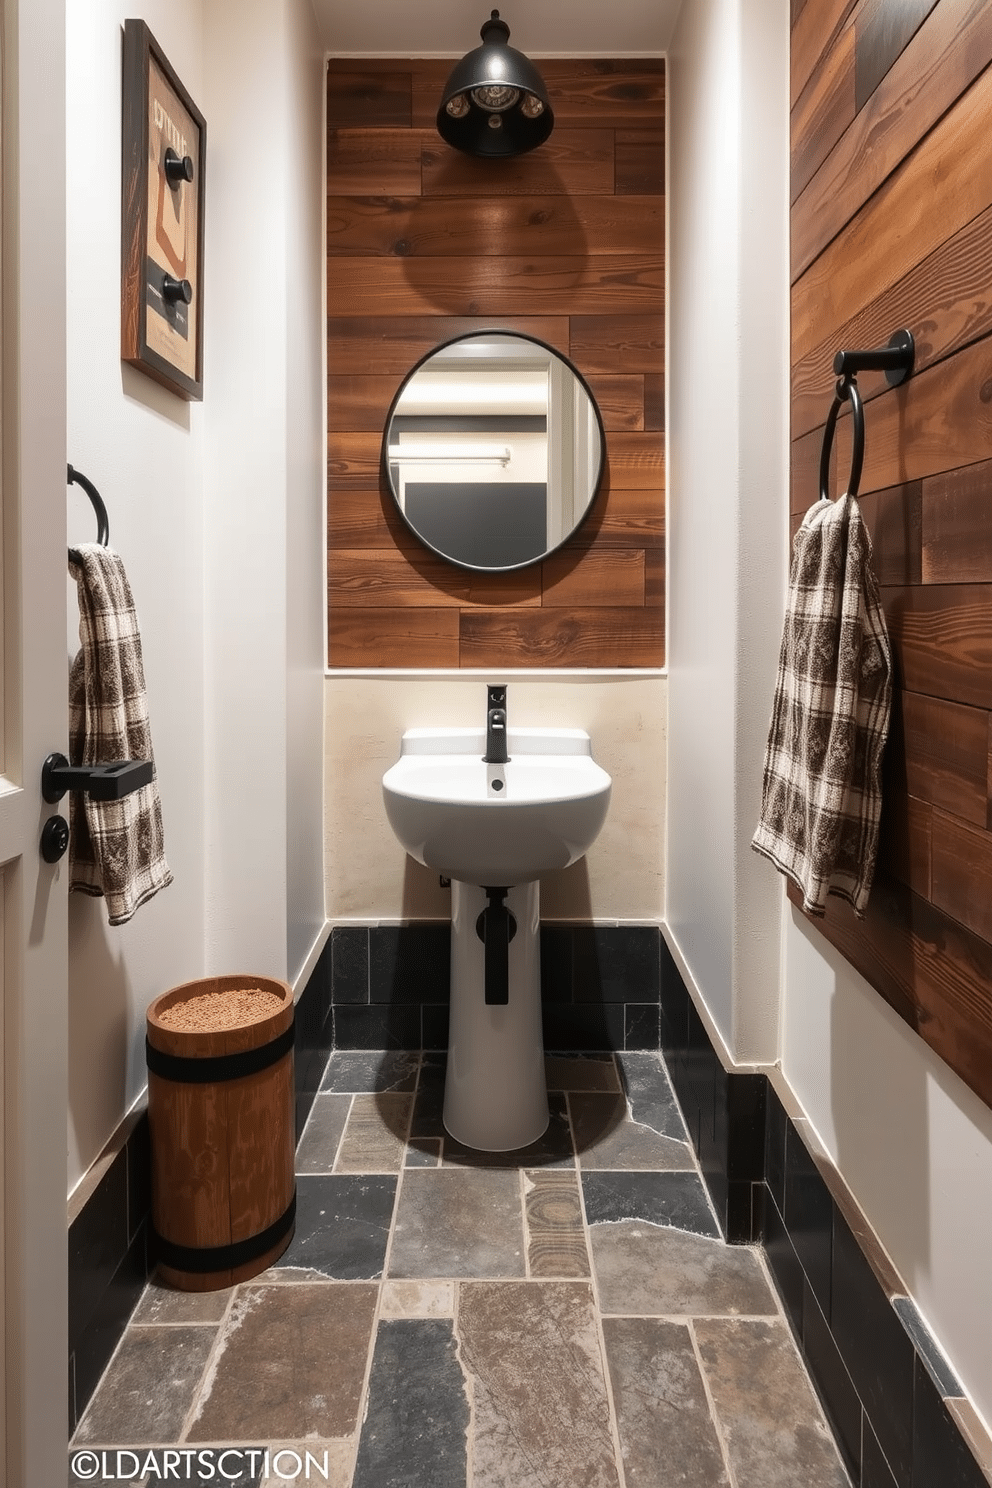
(495, 102)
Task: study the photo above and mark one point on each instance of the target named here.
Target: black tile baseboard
(600, 985)
(885, 1386)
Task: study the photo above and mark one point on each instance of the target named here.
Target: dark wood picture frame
(164, 146)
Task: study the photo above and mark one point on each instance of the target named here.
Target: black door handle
(107, 782)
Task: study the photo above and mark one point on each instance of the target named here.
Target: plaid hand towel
(822, 796)
(116, 847)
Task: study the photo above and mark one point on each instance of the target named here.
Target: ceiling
(541, 28)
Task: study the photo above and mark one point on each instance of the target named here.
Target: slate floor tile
(369, 1070)
(646, 1270)
(649, 1091)
(415, 1428)
(290, 1363)
(164, 1304)
(374, 1138)
(318, 1145)
(675, 1199)
(342, 1226)
(148, 1388)
(663, 1415)
(556, 1242)
(771, 1421)
(541, 1414)
(606, 1137)
(581, 1072)
(454, 1222)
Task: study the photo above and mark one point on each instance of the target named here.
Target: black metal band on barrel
(218, 1067)
(205, 1258)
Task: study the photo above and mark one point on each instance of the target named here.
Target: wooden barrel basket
(221, 1113)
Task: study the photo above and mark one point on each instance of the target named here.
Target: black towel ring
(846, 389)
(76, 477)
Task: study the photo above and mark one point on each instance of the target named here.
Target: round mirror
(494, 450)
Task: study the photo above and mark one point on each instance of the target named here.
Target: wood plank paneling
(941, 185)
(618, 343)
(565, 244)
(573, 162)
(391, 344)
(593, 575)
(944, 57)
(416, 579)
(381, 162)
(894, 228)
(392, 638)
(956, 526)
(364, 100)
(568, 637)
(595, 285)
(492, 227)
(822, 112)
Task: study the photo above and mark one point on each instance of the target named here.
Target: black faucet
(496, 728)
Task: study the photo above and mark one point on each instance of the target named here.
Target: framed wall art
(163, 158)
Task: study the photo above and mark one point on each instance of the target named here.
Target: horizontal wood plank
(944, 57)
(392, 638)
(593, 574)
(942, 639)
(353, 460)
(823, 111)
(573, 162)
(628, 518)
(392, 344)
(369, 100)
(366, 518)
(962, 873)
(947, 299)
(418, 579)
(374, 162)
(493, 226)
(654, 577)
(640, 163)
(359, 404)
(904, 841)
(956, 526)
(567, 637)
(814, 34)
(618, 343)
(894, 519)
(620, 400)
(940, 749)
(591, 285)
(654, 400)
(941, 186)
(637, 461)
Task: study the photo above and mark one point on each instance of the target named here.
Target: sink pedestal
(495, 1093)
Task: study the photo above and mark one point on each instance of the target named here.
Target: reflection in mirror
(494, 450)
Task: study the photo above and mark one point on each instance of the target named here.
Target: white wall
(216, 509)
(143, 448)
(728, 481)
(369, 876)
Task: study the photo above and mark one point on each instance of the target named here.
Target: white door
(33, 723)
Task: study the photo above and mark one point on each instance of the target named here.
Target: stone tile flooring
(562, 1317)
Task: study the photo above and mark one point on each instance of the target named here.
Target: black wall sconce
(495, 102)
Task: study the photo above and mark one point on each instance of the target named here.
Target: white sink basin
(496, 824)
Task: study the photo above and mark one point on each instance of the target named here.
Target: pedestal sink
(493, 829)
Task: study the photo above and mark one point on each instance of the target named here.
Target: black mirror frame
(600, 473)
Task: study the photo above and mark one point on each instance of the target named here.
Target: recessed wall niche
(565, 244)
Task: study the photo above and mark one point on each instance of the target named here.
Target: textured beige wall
(368, 875)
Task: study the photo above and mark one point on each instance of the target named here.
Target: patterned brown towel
(822, 796)
(116, 847)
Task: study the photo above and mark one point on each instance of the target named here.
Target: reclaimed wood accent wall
(892, 227)
(565, 243)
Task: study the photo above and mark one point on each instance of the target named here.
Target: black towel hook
(846, 389)
(896, 361)
(76, 477)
